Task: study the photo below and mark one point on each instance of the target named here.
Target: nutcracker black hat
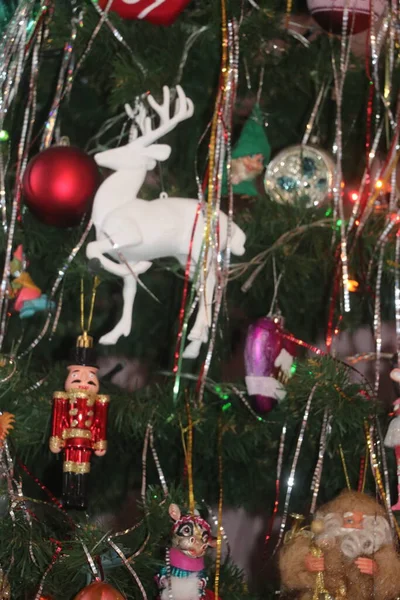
(84, 354)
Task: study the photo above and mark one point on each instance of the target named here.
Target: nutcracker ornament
(79, 423)
(392, 439)
(184, 576)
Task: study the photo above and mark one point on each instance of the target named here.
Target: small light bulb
(379, 184)
(352, 285)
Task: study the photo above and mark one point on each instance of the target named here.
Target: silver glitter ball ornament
(300, 175)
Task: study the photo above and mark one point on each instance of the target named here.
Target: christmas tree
(257, 152)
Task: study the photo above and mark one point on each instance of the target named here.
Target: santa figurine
(349, 553)
(79, 423)
(392, 439)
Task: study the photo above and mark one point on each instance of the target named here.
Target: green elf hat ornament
(249, 156)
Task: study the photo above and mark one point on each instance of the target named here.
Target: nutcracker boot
(76, 474)
(75, 490)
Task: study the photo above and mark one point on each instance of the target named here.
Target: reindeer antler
(139, 117)
(140, 147)
(163, 109)
(184, 109)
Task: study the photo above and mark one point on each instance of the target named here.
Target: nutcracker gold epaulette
(103, 399)
(100, 445)
(56, 443)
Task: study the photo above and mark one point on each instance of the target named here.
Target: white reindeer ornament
(134, 232)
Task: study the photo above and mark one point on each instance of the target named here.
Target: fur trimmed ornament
(269, 361)
(349, 553)
(329, 14)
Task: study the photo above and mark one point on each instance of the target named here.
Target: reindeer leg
(124, 325)
(193, 349)
(199, 332)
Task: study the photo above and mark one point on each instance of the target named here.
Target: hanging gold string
(213, 135)
(365, 469)
(289, 6)
(96, 284)
(345, 471)
(189, 456)
(220, 502)
(82, 298)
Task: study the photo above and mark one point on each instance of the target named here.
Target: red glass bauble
(329, 13)
(99, 590)
(158, 13)
(59, 184)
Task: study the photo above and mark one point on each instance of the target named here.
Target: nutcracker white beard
(355, 542)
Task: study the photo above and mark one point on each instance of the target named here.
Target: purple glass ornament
(268, 358)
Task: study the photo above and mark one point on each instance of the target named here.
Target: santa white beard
(240, 172)
(355, 542)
